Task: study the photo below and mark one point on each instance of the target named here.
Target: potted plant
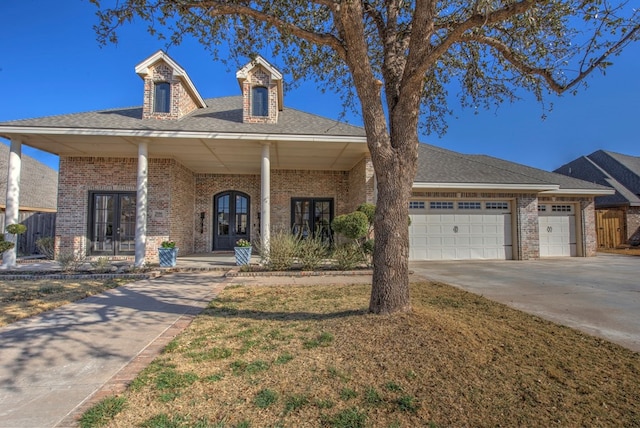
(243, 252)
(167, 254)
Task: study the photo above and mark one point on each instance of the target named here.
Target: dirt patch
(312, 356)
(630, 251)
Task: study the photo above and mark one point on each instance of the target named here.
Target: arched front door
(231, 221)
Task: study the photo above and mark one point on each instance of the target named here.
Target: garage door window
(416, 205)
(496, 205)
(469, 206)
(561, 208)
(440, 205)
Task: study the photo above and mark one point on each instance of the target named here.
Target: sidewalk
(54, 362)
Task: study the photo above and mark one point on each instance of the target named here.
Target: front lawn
(24, 298)
(301, 356)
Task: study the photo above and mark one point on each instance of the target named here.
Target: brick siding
(361, 184)
(181, 101)
(633, 224)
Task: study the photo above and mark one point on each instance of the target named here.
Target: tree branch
(220, 9)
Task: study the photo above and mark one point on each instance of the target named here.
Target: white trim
(486, 186)
(580, 192)
(142, 70)
(102, 132)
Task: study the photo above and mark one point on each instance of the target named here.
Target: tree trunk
(390, 287)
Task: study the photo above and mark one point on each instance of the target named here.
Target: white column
(141, 205)
(12, 210)
(265, 198)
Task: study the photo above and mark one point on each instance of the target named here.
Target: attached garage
(460, 230)
(557, 230)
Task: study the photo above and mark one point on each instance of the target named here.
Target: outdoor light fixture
(202, 222)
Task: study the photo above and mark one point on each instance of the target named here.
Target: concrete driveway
(597, 295)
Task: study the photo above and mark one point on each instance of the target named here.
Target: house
(207, 172)
(618, 215)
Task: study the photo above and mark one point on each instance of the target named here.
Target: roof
(221, 115)
(38, 183)
(622, 172)
(437, 166)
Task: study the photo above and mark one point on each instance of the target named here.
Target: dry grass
(628, 251)
(311, 357)
(22, 299)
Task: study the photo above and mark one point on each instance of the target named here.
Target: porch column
(12, 208)
(265, 198)
(141, 205)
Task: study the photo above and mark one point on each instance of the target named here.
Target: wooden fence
(39, 225)
(611, 228)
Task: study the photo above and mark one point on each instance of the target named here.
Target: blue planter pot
(167, 256)
(243, 255)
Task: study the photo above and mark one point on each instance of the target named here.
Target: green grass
(102, 413)
(265, 398)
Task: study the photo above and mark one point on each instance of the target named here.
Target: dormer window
(260, 101)
(162, 97)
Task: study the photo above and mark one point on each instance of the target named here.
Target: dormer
(169, 93)
(262, 96)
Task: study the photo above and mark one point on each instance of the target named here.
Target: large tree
(400, 58)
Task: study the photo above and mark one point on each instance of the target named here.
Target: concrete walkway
(597, 295)
(52, 363)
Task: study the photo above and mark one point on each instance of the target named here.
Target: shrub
(70, 261)
(348, 256)
(283, 247)
(46, 247)
(5, 245)
(354, 225)
(16, 229)
(101, 265)
(311, 252)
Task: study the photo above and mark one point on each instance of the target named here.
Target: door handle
(549, 229)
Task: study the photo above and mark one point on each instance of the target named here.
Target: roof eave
(9, 131)
(582, 192)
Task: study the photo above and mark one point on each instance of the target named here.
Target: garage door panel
(480, 234)
(557, 232)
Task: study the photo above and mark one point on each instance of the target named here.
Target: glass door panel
(232, 220)
(312, 216)
(113, 223)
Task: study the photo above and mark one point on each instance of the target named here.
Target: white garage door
(460, 230)
(557, 223)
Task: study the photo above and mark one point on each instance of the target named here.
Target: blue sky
(50, 63)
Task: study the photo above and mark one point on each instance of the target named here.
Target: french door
(112, 223)
(231, 222)
(312, 217)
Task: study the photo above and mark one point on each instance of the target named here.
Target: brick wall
(361, 184)
(170, 212)
(259, 77)
(633, 223)
(181, 101)
(527, 228)
(590, 234)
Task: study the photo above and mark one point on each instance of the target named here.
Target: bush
(311, 252)
(101, 265)
(70, 261)
(16, 229)
(354, 225)
(282, 252)
(46, 247)
(348, 256)
(5, 245)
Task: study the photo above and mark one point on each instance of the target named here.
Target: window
(416, 205)
(469, 205)
(496, 205)
(561, 208)
(259, 101)
(542, 208)
(441, 205)
(162, 98)
(312, 217)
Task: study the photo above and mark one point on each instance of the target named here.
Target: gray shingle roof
(622, 172)
(437, 165)
(38, 182)
(221, 115)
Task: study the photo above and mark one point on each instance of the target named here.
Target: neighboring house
(618, 215)
(38, 184)
(38, 199)
(207, 172)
